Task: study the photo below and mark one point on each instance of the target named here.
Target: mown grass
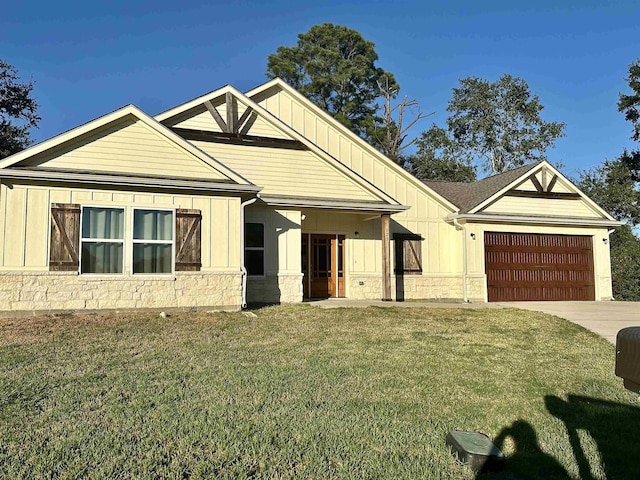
(301, 392)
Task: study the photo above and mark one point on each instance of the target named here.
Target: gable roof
(473, 197)
(468, 195)
(111, 118)
(288, 131)
(279, 83)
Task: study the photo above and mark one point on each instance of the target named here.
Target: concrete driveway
(603, 318)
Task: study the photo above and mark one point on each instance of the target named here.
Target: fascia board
(90, 178)
(530, 219)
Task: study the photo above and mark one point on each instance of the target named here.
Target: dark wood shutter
(65, 237)
(408, 254)
(188, 240)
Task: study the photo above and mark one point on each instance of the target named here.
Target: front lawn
(302, 392)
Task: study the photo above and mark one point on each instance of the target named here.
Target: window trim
(133, 241)
(123, 240)
(263, 248)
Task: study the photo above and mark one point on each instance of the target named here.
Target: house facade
(261, 197)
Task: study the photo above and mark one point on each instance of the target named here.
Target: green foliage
(630, 104)
(614, 186)
(17, 111)
(495, 125)
(334, 66)
(625, 264)
(437, 159)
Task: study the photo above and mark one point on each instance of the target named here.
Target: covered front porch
(317, 251)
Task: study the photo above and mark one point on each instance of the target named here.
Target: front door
(323, 265)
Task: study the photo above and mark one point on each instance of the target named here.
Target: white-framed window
(254, 248)
(153, 241)
(102, 240)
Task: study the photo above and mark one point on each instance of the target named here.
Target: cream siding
(25, 223)
(441, 250)
(128, 146)
(542, 206)
(201, 119)
(282, 238)
(527, 186)
(283, 171)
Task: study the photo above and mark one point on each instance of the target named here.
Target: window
(408, 253)
(152, 241)
(92, 239)
(102, 241)
(254, 248)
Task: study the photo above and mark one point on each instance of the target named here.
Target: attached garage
(534, 267)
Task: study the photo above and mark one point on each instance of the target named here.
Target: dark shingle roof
(465, 196)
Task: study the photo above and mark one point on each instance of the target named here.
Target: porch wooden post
(386, 258)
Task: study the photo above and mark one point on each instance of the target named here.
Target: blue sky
(89, 58)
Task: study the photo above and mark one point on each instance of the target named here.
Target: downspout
(609, 232)
(462, 227)
(243, 269)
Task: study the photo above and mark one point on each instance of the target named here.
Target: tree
(496, 126)
(436, 159)
(334, 66)
(17, 111)
(630, 104)
(615, 186)
(389, 131)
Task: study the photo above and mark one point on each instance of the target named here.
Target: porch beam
(386, 257)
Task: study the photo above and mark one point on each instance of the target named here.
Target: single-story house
(234, 198)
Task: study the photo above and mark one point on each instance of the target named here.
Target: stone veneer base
(63, 291)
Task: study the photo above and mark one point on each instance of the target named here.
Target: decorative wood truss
(544, 188)
(234, 129)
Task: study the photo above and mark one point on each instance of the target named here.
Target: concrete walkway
(603, 318)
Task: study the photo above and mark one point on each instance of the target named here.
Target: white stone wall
(70, 291)
(417, 287)
(280, 288)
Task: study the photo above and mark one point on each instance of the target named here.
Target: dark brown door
(534, 267)
(323, 265)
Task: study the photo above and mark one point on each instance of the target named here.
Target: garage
(535, 267)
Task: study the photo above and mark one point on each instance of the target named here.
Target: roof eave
(532, 219)
(345, 205)
(88, 178)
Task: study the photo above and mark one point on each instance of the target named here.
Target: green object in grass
(476, 450)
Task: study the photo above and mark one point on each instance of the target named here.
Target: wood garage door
(532, 267)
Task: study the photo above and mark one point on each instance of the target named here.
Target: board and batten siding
(127, 147)
(25, 223)
(442, 248)
(281, 171)
(282, 244)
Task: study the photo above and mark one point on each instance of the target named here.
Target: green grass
(301, 392)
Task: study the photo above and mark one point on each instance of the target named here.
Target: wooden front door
(323, 265)
(533, 267)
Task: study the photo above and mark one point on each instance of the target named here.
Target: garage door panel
(533, 267)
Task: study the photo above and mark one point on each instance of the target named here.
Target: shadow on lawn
(612, 426)
(528, 461)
